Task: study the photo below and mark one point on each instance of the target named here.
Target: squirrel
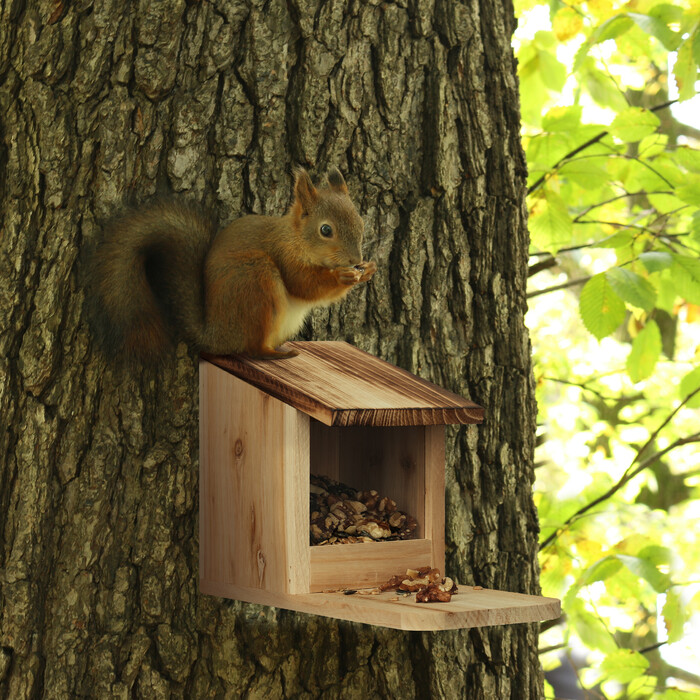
(163, 271)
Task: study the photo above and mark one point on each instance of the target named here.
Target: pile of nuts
(427, 583)
(343, 515)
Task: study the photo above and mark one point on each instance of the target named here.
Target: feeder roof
(341, 385)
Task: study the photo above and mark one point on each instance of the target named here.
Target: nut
(392, 584)
(341, 512)
(426, 582)
(414, 584)
(434, 575)
(357, 506)
(374, 528)
(433, 594)
(448, 585)
(386, 505)
(397, 519)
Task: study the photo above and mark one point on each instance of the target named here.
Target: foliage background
(614, 196)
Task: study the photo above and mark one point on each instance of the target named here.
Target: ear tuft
(304, 191)
(336, 181)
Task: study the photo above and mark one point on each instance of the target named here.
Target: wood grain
(365, 564)
(469, 608)
(434, 490)
(341, 385)
(254, 486)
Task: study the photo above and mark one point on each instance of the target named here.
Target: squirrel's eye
(326, 231)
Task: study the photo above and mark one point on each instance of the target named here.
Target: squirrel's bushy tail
(148, 279)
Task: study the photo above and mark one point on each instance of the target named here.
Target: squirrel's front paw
(348, 275)
(366, 270)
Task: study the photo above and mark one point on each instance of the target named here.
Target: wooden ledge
(341, 385)
(469, 608)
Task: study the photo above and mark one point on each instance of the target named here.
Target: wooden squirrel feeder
(333, 410)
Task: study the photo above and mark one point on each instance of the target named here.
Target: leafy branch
(641, 193)
(584, 386)
(591, 142)
(631, 470)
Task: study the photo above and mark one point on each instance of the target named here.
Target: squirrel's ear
(336, 181)
(304, 191)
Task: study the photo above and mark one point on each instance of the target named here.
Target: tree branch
(602, 397)
(695, 437)
(570, 283)
(554, 647)
(614, 199)
(541, 265)
(538, 183)
(670, 416)
(540, 180)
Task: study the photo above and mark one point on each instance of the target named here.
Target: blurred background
(611, 121)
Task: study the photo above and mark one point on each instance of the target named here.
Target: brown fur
(161, 273)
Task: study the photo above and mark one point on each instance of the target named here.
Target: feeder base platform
(469, 608)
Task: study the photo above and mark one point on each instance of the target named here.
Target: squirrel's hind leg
(249, 301)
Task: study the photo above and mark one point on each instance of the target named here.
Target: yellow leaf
(601, 8)
(692, 313)
(567, 23)
(590, 549)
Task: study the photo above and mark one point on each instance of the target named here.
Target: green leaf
(544, 150)
(695, 227)
(591, 630)
(642, 687)
(624, 665)
(645, 352)
(552, 72)
(610, 29)
(673, 615)
(675, 694)
(666, 294)
(685, 71)
(562, 119)
(617, 240)
(690, 191)
(601, 87)
(603, 569)
(633, 124)
(655, 261)
(584, 172)
(651, 146)
(688, 157)
(656, 28)
(667, 13)
(689, 384)
(545, 39)
(632, 288)
(659, 581)
(602, 311)
(550, 223)
(665, 203)
(656, 554)
(696, 47)
(686, 275)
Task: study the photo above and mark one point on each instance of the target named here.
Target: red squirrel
(162, 272)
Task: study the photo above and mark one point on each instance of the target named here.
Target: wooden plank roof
(339, 384)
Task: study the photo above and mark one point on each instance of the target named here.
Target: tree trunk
(107, 102)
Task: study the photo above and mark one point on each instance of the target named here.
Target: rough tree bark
(103, 101)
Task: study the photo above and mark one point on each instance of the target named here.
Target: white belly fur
(293, 319)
